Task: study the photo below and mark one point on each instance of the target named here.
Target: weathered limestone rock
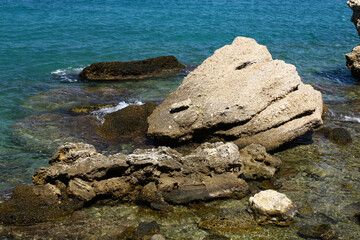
(271, 206)
(238, 94)
(353, 62)
(155, 177)
(257, 164)
(355, 6)
(353, 58)
(132, 70)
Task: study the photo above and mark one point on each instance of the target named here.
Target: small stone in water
(158, 237)
(323, 231)
(146, 228)
(215, 237)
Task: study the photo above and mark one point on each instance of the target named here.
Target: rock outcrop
(155, 177)
(353, 58)
(270, 206)
(353, 62)
(141, 69)
(355, 6)
(239, 94)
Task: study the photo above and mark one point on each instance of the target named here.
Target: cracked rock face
(240, 94)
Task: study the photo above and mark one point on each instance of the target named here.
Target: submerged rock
(337, 135)
(130, 120)
(241, 94)
(141, 69)
(322, 232)
(76, 98)
(271, 206)
(32, 204)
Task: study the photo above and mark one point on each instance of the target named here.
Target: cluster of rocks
(240, 96)
(155, 177)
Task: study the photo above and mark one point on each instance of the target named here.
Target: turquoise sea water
(44, 45)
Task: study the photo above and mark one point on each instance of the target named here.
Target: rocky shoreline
(232, 165)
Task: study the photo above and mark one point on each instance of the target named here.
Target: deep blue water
(43, 42)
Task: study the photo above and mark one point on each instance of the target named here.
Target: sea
(44, 44)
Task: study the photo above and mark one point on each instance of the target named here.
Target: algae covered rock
(322, 231)
(32, 204)
(239, 94)
(130, 120)
(132, 70)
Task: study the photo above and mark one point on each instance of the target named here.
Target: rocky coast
(207, 172)
(353, 58)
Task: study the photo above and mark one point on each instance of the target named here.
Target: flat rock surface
(132, 70)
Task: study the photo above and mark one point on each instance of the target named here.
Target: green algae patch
(237, 226)
(33, 204)
(90, 109)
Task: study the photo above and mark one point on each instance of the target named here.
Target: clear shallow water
(44, 44)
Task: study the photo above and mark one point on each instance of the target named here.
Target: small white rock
(270, 202)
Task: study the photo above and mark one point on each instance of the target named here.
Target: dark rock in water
(325, 111)
(357, 217)
(130, 120)
(337, 135)
(132, 70)
(146, 229)
(33, 204)
(270, 184)
(215, 237)
(239, 94)
(323, 232)
(236, 226)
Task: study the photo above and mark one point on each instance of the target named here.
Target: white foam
(100, 114)
(352, 119)
(69, 74)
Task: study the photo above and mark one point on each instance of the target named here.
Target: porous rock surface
(353, 58)
(271, 206)
(132, 70)
(240, 94)
(353, 62)
(355, 6)
(155, 177)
